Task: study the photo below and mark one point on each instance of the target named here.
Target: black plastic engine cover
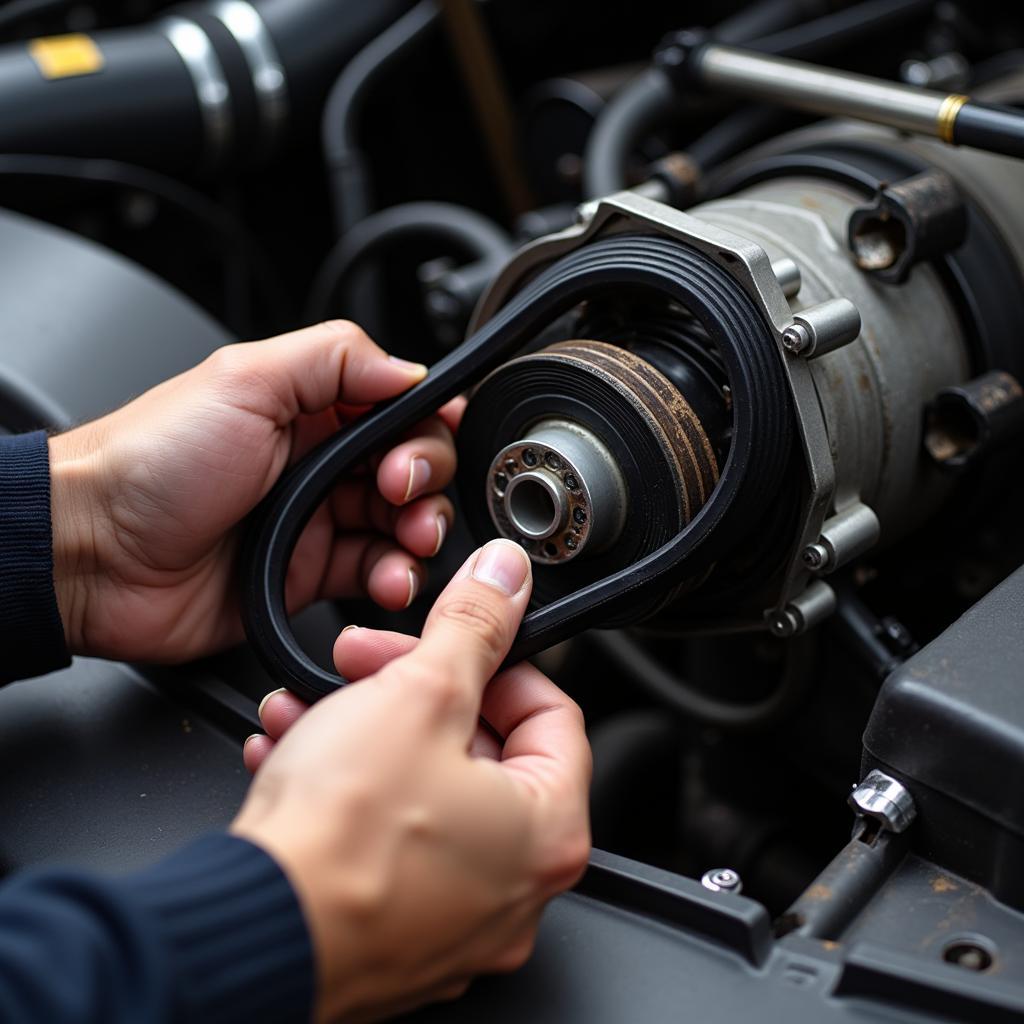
(950, 724)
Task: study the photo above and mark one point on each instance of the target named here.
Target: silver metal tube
(819, 90)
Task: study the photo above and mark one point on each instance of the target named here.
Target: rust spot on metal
(940, 883)
(819, 893)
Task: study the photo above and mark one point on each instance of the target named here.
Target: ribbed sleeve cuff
(31, 632)
(237, 945)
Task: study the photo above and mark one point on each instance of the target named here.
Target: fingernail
(349, 627)
(413, 368)
(502, 564)
(441, 525)
(263, 703)
(254, 736)
(414, 585)
(419, 477)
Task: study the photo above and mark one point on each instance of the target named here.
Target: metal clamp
(211, 85)
(269, 84)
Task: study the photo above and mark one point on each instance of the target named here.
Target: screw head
(722, 880)
(529, 457)
(815, 557)
(795, 339)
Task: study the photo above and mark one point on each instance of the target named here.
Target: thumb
(470, 630)
(310, 370)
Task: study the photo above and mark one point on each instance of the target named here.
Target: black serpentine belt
(761, 435)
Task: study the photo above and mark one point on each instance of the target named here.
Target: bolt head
(795, 339)
(815, 557)
(885, 799)
(722, 880)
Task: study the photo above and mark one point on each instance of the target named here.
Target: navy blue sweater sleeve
(31, 632)
(211, 935)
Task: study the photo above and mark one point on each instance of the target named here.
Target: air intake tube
(203, 86)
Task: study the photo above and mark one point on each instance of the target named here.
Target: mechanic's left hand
(147, 501)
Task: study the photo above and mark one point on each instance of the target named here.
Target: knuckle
(438, 690)
(477, 616)
(343, 330)
(566, 860)
(517, 955)
(223, 361)
(454, 991)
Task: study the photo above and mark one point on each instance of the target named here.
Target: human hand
(148, 501)
(423, 849)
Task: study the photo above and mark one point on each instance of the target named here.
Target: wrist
(74, 514)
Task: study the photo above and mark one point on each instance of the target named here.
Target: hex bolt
(885, 799)
(722, 880)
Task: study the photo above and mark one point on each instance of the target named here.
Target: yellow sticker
(66, 56)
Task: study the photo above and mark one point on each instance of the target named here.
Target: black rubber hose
(651, 100)
(825, 36)
(997, 129)
(642, 106)
(733, 134)
(643, 668)
(140, 103)
(468, 232)
(348, 175)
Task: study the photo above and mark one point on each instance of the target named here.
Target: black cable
(469, 232)
(822, 37)
(733, 134)
(667, 688)
(238, 245)
(640, 107)
(348, 175)
(650, 100)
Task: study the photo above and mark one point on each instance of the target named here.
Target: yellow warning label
(66, 56)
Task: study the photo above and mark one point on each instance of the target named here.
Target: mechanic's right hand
(418, 863)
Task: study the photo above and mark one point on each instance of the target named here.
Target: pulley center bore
(558, 491)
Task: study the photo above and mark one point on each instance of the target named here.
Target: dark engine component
(960, 701)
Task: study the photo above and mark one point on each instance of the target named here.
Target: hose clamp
(211, 85)
(269, 81)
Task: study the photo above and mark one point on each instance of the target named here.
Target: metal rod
(954, 119)
(820, 90)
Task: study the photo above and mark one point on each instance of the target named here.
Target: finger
(485, 744)
(470, 630)
(374, 567)
(545, 737)
(308, 371)
(452, 412)
(359, 653)
(420, 527)
(255, 751)
(279, 711)
(423, 464)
